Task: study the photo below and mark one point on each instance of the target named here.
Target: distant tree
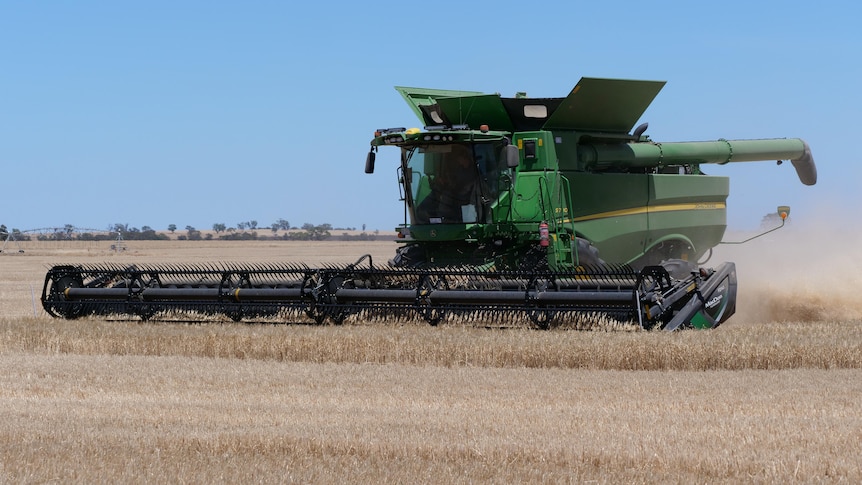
(147, 232)
(242, 225)
(219, 227)
(281, 224)
(190, 228)
(3, 229)
(315, 233)
(172, 228)
(252, 224)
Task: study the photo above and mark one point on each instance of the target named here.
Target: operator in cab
(454, 190)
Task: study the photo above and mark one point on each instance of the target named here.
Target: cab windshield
(454, 183)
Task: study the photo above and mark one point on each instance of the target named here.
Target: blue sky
(195, 113)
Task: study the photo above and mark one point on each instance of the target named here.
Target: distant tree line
(246, 230)
(70, 233)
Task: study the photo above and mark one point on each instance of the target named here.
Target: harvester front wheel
(588, 255)
(408, 256)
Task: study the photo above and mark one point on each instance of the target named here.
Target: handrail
(565, 195)
(570, 219)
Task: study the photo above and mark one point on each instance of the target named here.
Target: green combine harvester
(537, 211)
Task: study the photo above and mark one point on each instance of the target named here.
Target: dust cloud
(797, 273)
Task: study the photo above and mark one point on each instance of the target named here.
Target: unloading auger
(538, 211)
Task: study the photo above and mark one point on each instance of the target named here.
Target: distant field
(771, 396)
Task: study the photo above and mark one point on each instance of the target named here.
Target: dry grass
(186, 419)
(761, 399)
(770, 346)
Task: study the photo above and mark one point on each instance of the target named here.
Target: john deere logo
(433, 233)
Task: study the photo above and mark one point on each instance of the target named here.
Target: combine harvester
(536, 211)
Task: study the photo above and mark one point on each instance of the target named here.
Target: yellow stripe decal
(657, 208)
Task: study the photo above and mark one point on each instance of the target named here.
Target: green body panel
(610, 212)
(576, 168)
(680, 203)
(627, 215)
(527, 205)
(486, 109)
(604, 105)
(417, 97)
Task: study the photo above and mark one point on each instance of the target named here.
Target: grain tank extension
(537, 210)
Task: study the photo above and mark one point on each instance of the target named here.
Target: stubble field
(771, 396)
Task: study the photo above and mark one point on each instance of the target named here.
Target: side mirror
(513, 158)
(369, 162)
